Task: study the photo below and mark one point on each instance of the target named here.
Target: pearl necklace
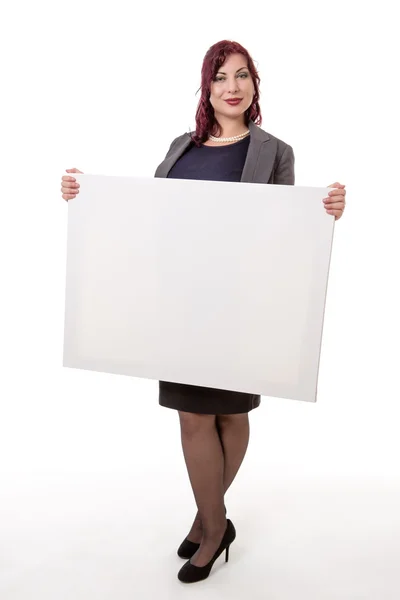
(229, 139)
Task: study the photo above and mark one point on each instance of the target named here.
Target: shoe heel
(227, 554)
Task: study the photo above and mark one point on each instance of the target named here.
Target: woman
(227, 145)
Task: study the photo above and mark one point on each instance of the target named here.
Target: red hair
(206, 123)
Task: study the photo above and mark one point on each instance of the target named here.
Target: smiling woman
(227, 145)
(229, 94)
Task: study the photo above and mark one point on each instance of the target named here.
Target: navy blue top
(212, 163)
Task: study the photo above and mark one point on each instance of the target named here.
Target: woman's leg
(234, 433)
(204, 459)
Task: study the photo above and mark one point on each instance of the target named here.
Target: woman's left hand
(335, 202)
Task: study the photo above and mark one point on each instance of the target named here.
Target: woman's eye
(242, 75)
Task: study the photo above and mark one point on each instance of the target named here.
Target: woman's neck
(231, 127)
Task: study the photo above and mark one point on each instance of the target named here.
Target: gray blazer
(268, 160)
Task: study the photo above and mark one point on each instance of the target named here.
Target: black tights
(214, 447)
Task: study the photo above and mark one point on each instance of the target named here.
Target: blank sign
(207, 283)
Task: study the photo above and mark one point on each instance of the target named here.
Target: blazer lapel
(260, 156)
(164, 168)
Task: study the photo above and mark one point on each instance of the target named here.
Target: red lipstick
(234, 101)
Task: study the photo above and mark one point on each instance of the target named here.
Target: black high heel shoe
(191, 574)
(188, 549)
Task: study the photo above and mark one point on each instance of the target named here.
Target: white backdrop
(102, 87)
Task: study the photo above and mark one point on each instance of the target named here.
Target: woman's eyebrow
(222, 73)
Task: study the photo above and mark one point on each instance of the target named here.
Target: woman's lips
(235, 101)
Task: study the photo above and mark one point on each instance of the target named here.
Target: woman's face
(233, 80)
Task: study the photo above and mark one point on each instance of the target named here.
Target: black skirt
(204, 400)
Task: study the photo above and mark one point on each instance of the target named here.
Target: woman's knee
(192, 423)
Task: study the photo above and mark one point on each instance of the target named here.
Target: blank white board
(200, 282)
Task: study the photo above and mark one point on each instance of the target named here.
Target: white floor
(76, 536)
(95, 497)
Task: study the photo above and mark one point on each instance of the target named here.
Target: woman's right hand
(69, 186)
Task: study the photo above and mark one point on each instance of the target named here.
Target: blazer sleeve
(284, 172)
(171, 148)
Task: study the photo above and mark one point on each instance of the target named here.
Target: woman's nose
(233, 86)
